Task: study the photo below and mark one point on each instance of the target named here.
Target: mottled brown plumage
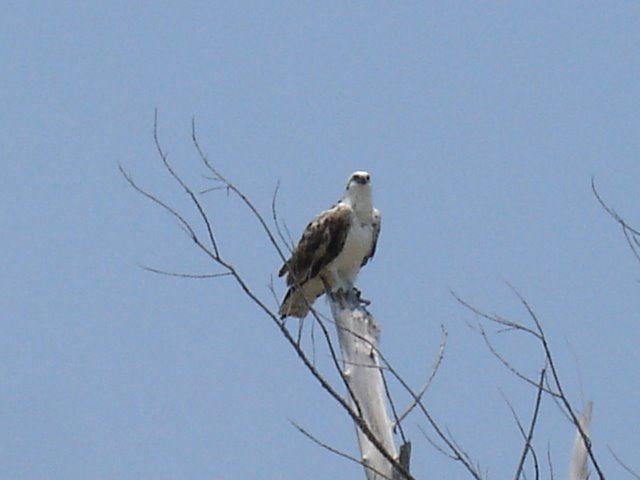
(321, 241)
(332, 249)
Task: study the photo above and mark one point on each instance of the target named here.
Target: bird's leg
(338, 293)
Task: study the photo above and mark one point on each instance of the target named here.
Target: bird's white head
(359, 191)
(358, 178)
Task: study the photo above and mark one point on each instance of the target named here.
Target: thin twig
(556, 378)
(394, 411)
(557, 392)
(234, 189)
(529, 436)
(434, 370)
(623, 465)
(276, 220)
(183, 184)
(495, 318)
(184, 275)
(631, 235)
(338, 452)
(480, 329)
(453, 456)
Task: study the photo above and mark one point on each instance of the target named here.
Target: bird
(333, 248)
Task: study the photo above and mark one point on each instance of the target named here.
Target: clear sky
(481, 125)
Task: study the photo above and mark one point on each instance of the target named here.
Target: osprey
(332, 249)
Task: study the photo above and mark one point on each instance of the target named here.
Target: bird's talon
(364, 301)
(358, 295)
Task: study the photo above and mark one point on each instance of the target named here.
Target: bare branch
(234, 189)
(610, 210)
(434, 370)
(394, 411)
(494, 318)
(336, 362)
(631, 235)
(211, 189)
(186, 188)
(514, 414)
(550, 462)
(494, 351)
(556, 378)
(183, 223)
(529, 436)
(557, 392)
(457, 453)
(274, 214)
(184, 275)
(623, 465)
(453, 456)
(338, 452)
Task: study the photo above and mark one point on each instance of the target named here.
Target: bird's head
(358, 192)
(358, 180)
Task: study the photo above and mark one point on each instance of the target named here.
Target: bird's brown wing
(377, 224)
(321, 242)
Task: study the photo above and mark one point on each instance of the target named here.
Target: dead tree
(378, 456)
(362, 369)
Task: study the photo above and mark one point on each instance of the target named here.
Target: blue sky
(481, 124)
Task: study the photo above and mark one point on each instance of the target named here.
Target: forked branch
(631, 234)
(556, 390)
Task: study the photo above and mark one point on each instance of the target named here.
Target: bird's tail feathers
(298, 300)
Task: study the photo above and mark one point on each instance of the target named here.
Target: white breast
(357, 245)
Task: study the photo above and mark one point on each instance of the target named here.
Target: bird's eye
(368, 178)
